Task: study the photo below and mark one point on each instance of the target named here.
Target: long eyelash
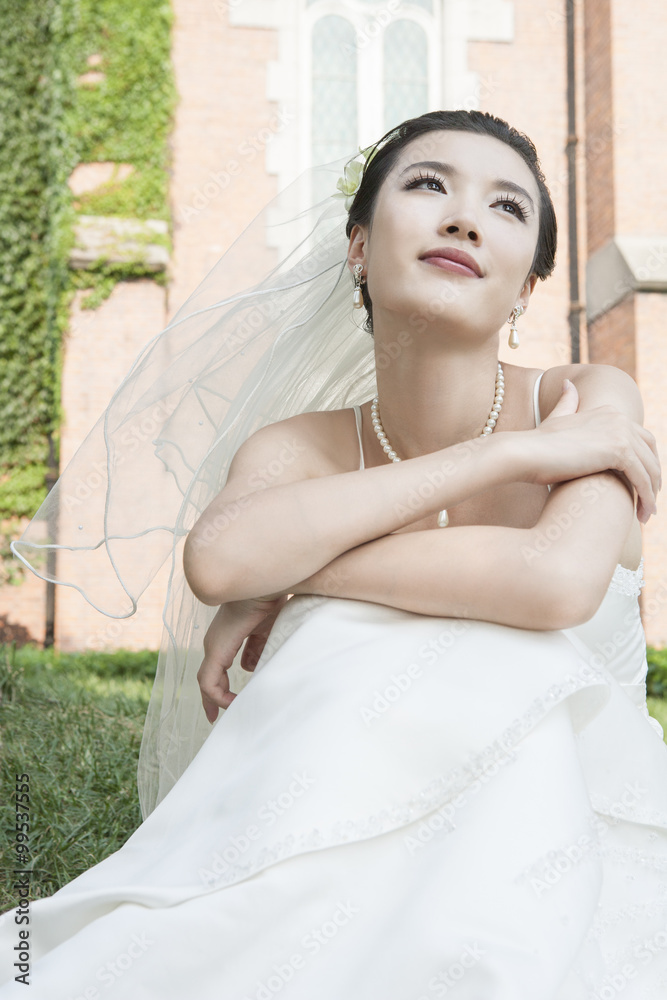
(519, 205)
(423, 177)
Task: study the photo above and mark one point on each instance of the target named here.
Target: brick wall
(599, 124)
(626, 121)
(219, 178)
(219, 182)
(611, 337)
(509, 71)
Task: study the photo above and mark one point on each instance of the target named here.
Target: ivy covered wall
(81, 81)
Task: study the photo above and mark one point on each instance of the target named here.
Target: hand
(568, 444)
(233, 622)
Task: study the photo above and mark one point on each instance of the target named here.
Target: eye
(519, 208)
(520, 212)
(415, 182)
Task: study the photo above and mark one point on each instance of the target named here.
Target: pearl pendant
(443, 517)
(357, 299)
(513, 339)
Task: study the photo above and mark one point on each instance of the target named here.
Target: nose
(461, 219)
(455, 229)
(465, 227)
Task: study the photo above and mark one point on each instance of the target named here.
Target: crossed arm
(528, 578)
(501, 574)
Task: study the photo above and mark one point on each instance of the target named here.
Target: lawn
(73, 724)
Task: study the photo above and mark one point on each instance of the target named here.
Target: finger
(218, 693)
(214, 699)
(252, 651)
(643, 514)
(651, 462)
(214, 683)
(210, 708)
(567, 403)
(643, 472)
(653, 445)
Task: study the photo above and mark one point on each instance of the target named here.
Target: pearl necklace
(443, 519)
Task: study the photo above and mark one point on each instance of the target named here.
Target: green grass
(73, 722)
(657, 707)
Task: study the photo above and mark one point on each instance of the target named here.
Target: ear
(527, 291)
(356, 251)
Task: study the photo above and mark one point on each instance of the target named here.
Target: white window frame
(451, 84)
(368, 22)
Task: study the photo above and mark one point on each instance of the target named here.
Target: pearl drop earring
(513, 339)
(357, 298)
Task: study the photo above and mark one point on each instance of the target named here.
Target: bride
(441, 778)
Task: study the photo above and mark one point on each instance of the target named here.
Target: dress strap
(357, 417)
(536, 400)
(536, 405)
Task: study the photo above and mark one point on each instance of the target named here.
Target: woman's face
(470, 203)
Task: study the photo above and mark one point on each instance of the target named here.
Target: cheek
(393, 270)
(388, 264)
(511, 255)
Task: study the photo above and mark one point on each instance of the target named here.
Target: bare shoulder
(299, 447)
(597, 385)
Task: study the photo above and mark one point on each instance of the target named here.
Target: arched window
(372, 65)
(368, 74)
(348, 70)
(405, 63)
(333, 89)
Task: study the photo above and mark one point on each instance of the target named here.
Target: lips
(467, 264)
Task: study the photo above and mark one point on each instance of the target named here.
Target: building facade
(269, 87)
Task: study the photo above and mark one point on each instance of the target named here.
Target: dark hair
(480, 122)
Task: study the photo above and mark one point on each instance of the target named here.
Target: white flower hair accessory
(348, 184)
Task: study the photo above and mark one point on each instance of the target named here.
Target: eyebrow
(451, 171)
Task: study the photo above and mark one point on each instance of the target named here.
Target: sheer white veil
(270, 332)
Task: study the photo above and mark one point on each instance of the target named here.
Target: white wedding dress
(395, 807)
